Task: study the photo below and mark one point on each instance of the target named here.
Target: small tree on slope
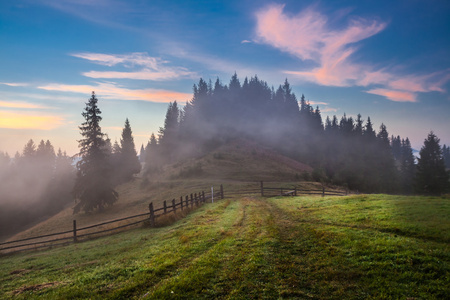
(431, 176)
(129, 161)
(93, 187)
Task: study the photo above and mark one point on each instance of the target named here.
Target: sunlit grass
(357, 247)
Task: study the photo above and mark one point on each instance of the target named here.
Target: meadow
(353, 247)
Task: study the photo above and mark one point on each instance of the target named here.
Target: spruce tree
(446, 154)
(152, 156)
(407, 166)
(431, 176)
(142, 154)
(129, 161)
(93, 186)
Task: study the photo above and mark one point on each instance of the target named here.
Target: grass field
(355, 247)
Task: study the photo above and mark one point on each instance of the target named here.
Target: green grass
(356, 247)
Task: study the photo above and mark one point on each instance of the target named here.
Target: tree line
(345, 151)
(34, 184)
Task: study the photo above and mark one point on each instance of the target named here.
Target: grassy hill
(238, 165)
(362, 246)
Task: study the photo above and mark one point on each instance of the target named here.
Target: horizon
(385, 61)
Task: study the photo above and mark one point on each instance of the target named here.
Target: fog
(34, 184)
(346, 151)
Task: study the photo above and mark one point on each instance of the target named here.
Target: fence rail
(183, 202)
(296, 190)
(76, 234)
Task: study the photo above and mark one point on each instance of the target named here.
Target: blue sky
(385, 59)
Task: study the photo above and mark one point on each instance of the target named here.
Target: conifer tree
(152, 157)
(446, 155)
(407, 166)
(142, 154)
(93, 187)
(129, 161)
(431, 176)
(168, 135)
(369, 133)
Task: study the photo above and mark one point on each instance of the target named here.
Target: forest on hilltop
(345, 151)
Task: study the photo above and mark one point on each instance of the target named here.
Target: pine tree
(142, 154)
(152, 157)
(168, 135)
(446, 154)
(407, 166)
(129, 161)
(369, 133)
(93, 187)
(431, 176)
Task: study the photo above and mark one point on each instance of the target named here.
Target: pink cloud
(145, 74)
(309, 36)
(395, 95)
(113, 91)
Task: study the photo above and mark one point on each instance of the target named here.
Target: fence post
(165, 207)
(192, 200)
(281, 191)
(174, 208)
(187, 201)
(323, 191)
(262, 189)
(75, 231)
(152, 214)
(203, 196)
(181, 202)
(221, 191)
(295, 191)
(195, 199)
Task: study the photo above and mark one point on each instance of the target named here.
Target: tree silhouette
(129, 162)
(446, 154)
(407, 166)
(431, 176)
(93, 187)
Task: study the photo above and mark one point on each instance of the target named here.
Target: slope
(236, 164)
(383, 247)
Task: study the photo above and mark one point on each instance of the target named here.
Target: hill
(371, 247)
(237, 164)
(240, 160)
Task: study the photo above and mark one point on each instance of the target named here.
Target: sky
(387, 60)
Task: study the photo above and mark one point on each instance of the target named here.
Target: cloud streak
(14, 84)
(21, 105)
(309, 37)
(148, 68)
(113, 91)
(24, 120)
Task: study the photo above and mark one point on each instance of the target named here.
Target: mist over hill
(343, 151)
(278, 135)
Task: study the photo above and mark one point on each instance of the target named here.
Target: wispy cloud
(317, 103)
(309, 36)
(148, 68)
(14, 84)
(113, 91)
(29, 120)
(24, 105)
(394, 95)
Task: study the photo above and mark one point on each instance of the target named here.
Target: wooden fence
(266, 191)
(76, 234)
(184, 202)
